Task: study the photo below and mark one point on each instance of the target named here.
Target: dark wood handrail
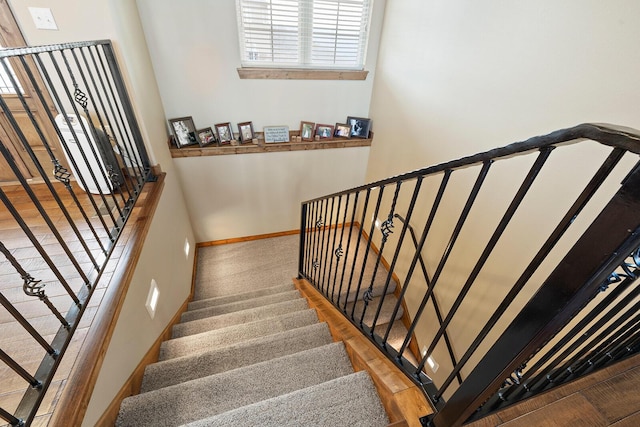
(72, 406)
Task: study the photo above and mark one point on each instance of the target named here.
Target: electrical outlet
(43, 18)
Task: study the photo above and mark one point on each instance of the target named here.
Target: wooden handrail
(72, 406)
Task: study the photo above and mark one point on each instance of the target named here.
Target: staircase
(254, 357)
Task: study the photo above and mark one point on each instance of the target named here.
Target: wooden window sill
(300, 74)
(262, 147)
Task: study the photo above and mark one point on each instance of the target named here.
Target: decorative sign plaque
(276, 134)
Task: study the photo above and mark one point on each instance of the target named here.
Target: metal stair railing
(66, 104)
(569, 221)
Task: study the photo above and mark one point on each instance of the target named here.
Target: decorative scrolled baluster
(367, 297)
(35, 288)
(316, 264)
(339, 252)
(319, 223)
(386, 228)
(630, 270)
(61, 174)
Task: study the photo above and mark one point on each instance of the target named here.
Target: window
(312, 34)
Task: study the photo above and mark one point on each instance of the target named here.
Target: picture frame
(342, 130)
(275, 134)
(224, 132)
(360, 127)
(206, 137)
(324, 131)
(306, 131)
(245, 132)
(184, 131)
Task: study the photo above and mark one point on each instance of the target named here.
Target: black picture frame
(360, 127)
(184, 131)
(206, 137)
(224, 132)
(245, 132)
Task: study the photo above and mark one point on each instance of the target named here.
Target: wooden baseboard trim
(247, 238)
(132, 385)
(402, 399)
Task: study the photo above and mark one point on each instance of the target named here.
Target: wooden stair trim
(73, 404)
(401, 398)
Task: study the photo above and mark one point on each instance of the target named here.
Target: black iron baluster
(493, 241)
(576, 331)
(34, 158)
(392, 266)
(123, 95)
(92, 151)
(326, 255)
(30, 235)
(72, 160)
(115, 177)
(355, 255)
(333, 249)
(61, 173)
(386, 228)
(366, 298)
(346, 254)
(117, 129)
(27, 326)
(8, 417)
(583, 199)
(452, 241)
(339, 252)
(15, 367)
(416, 256)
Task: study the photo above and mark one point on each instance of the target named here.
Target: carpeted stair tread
(385, 314)
(238, 305)
(238, 317)
(350, 400)
(233, 334)
(209, 302)
(208, 396)
(181, 369)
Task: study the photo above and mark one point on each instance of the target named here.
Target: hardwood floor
(14, 340)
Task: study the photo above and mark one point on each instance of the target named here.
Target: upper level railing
(532, 251)
(73, 164)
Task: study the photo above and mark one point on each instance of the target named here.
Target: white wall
(457, 78)
(163, 255)
(195, 55)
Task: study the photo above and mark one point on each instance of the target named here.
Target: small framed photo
(306, 130)
(343, 130)
(206, 137)
(184, 131)
(246, 132)
(360, 127)
(324, 131)
(225, 133)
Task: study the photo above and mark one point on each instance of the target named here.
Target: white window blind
(325, 34)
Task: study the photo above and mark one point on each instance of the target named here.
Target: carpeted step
(205, 397)
(191, 344)
(181, 369)
(385, 314)
(346, 401)
(210, 302)
(238, 317)
(238, 305)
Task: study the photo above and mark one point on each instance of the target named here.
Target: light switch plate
(43, 18)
